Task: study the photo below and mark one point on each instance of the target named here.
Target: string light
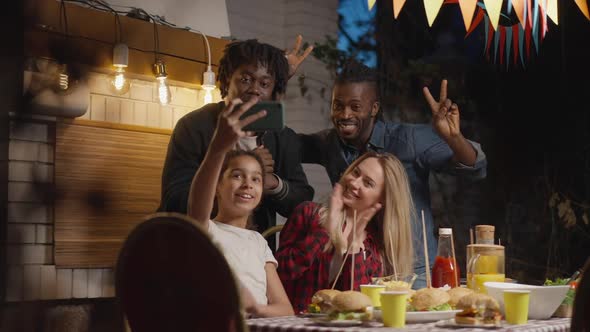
(119, 84)
(208, 85)
(164, 94)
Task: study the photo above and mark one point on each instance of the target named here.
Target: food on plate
(351, 305)
(456, 294)
(478, 309)
(396, 285)
(429, 299)
(321, 301)
(571, 293)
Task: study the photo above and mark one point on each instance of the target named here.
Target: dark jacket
(188, 145)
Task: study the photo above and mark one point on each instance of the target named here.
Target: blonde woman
(316, 238)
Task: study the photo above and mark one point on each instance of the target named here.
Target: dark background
(532, 121)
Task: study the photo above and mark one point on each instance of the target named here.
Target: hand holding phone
(274, 119)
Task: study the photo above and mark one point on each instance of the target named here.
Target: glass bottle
(445, 270)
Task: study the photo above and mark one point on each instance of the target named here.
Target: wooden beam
(91, 35)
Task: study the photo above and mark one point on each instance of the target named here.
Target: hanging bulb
(208, 85)
(63, 82)
(119, 84)
(164, 94)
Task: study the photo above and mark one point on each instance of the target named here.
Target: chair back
(171, 277)
(581, 314)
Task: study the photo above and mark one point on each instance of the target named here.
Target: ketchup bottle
(445, 270)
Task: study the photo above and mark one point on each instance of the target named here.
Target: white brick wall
(32, 274)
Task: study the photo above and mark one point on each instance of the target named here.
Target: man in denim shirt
(422, 148)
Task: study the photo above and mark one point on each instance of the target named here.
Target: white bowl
(543, 300)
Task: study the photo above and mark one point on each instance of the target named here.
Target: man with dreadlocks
(248, 69)
(358, 128)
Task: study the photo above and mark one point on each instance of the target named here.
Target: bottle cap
(445, 231)
(484, 234)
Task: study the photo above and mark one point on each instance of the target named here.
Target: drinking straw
(428, 284)
(352, 259)
(471, 236)
(454, 261)
(393, 258)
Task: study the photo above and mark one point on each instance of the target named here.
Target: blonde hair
(394, 220)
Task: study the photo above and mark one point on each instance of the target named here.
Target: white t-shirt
(247, 253)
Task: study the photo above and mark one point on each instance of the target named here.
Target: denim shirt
(419, 149)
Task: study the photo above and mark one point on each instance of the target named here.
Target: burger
(456, 294)
(478, 309)
(321, 301)
(430, 299)
(351, 305)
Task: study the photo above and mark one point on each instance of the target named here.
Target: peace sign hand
(445, 113)
(229, 125)
(294, 58)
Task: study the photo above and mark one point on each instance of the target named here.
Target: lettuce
(442, 307)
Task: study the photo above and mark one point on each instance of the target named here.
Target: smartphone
(274, 119)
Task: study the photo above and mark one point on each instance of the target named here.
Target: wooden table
(297, 324)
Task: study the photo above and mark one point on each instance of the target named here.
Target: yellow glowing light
(163, 91)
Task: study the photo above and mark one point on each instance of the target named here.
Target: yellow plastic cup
(516, 306)
(393, 308)
(373, 291)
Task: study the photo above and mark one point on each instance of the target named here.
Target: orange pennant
(552, 10)
(583, 5)
(518, 6)
(467, 9)
(493, 8)
(432, 8)
(397, 7)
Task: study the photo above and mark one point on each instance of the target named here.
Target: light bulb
(163, 90)
(63, 82)
(118, 83)
(208, 85)
(208, 99)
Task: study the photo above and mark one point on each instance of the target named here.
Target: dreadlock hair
(251, 51)
(354, 71)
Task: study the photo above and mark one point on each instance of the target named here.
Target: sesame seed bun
(351, 301)
(429, 297)
(457, 293)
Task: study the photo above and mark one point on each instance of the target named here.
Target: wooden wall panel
(106, 180)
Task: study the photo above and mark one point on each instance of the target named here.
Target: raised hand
(445, 113)
(270, 181)
(229, 125)
(334, 220)
(362, 219)
(294, 58)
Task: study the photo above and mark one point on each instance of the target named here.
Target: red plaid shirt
(304, 267)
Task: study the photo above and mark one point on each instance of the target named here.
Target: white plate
(451, 323)
(335, 323)
(429, 316)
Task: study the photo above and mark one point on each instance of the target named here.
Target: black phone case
(274, 119)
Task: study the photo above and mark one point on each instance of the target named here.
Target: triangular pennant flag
(478, 17)
(467, 9)
(528, 15)
(552, 11)
(502, 31)
(535, 14)
(493, 8)
(432, 8)
(487, 34)
(397, 7)
(508, 7)
(535, 34)
(496, 43)
(521, 43)
(518, 6)
(515, 40)
(508, 45)
(583, 5)
(371, 3)
(544, 25)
